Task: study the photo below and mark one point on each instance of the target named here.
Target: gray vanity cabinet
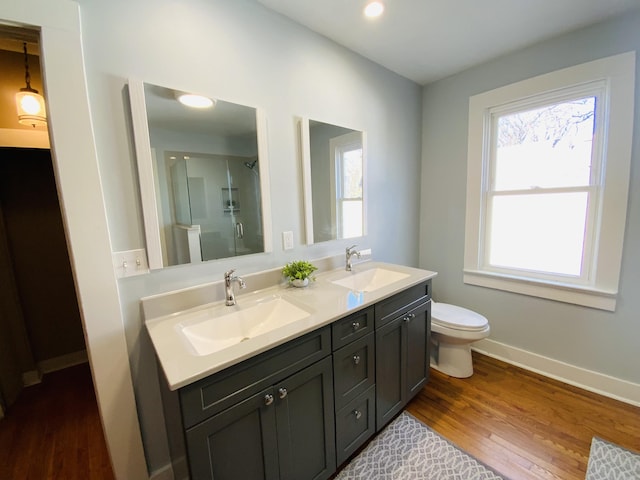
(270, 417)
(354, 381)
(403, 326)
(300, 409)
(240, 442)
(284, 432)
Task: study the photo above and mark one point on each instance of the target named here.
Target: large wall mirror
(203, 177)
(333, 165)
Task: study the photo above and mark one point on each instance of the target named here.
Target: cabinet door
(391, 371)
(402, 361)
(306, 427)
(418, 322)
(240, 442)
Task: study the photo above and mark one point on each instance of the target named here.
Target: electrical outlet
(130, 262)
(287, 240)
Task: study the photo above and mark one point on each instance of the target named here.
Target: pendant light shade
(29, 103)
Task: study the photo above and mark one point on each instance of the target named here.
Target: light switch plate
(130, 263)
(287, 240)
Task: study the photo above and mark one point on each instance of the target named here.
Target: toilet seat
(457, 318)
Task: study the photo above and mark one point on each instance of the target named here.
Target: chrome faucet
(351, 251)
(229, 278)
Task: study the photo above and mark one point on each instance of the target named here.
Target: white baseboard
(63, 361)
(599, 383)
(31, 377)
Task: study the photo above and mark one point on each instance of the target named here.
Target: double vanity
(290, 382)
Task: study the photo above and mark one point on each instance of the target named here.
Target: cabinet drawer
(353, 369)
(399, 304)
(222, 390)
(355, 424)
(352, 327)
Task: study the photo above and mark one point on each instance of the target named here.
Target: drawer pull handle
(357, 414)
(268, 399)
(355, 325)
(282, 392)
(356, 359)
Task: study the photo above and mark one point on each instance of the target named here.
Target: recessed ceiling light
(195, 101)
(374, 9)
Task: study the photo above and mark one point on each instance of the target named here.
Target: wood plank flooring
(524, 425)
(53, 431)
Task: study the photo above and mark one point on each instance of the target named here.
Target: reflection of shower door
(223, 198)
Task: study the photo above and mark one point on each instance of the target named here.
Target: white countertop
(322, 299)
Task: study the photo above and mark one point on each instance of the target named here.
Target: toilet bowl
(453, 330)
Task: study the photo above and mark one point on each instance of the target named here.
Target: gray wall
(237, 50)
(591, 339)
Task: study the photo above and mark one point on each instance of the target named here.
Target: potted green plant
(299, 272)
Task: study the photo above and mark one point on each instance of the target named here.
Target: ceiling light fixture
(29, 103)
(194, 101)
(374, 9)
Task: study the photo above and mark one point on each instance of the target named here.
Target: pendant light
(30, 104)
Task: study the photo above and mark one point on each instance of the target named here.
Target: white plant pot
(300, 283)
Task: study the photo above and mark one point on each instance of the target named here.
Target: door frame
(83, 210)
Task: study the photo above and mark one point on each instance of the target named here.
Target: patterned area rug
(409, 450)
(608, 461)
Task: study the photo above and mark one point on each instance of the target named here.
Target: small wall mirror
(333, 165)
(203, 177)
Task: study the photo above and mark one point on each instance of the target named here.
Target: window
(547, 183)
(348, 184)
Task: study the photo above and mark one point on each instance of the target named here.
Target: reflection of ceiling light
(195, 101)
(29, 103)
(374, 9)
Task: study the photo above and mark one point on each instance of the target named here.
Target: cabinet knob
(356, 359)
(282, 392)
(268, 399)
(355, 325)
(409, 317)
(357, 414)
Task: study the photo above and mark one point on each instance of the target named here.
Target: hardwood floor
(524, 425)
(53, 431)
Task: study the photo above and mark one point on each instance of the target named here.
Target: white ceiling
(425, 40)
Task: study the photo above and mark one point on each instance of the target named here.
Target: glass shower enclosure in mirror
(333, 166)
(203, 177)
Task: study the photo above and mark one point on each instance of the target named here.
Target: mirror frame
(147, 177)
(305, 154)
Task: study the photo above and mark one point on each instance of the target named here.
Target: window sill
(586, 296)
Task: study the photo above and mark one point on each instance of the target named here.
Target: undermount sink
(369, 280)
(213, 330)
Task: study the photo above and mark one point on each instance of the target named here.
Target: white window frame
(598, 288)
(337, 147)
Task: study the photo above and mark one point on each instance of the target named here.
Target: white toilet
(453, 330)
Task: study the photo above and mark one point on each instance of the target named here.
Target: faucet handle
(351, 248)
(229, 273)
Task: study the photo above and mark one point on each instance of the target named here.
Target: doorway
(41, 314)
(85, 219)
(41, 331)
